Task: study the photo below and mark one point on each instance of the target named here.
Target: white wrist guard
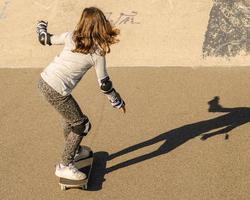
(113, 96)
(115, 99)
(43, 35)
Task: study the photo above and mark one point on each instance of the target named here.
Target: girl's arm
(105, 83)
(46, 38)
(59, 39)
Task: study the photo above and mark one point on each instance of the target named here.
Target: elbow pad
(106, 85)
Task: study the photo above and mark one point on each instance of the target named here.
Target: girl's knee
(83, 128)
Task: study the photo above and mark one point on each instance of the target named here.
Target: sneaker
(69, 172)
(83, 152)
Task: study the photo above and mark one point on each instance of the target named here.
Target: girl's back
(68, 68)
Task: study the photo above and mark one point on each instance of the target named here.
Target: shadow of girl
(235, 117)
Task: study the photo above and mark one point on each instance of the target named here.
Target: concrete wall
(153, 32)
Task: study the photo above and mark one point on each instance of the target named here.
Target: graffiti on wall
(3, 9)
(123, 18)
(228, 31)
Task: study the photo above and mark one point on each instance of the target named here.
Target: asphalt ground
(185, 136)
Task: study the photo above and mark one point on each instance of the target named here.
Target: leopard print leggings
(71, 114)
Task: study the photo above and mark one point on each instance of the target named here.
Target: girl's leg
(72, 144)
(66, 131)
(73, 116)
(66, 128)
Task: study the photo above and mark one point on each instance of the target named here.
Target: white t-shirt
(68, 68)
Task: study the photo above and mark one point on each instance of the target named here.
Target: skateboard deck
(85, 166)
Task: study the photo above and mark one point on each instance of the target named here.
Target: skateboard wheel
(63, 187)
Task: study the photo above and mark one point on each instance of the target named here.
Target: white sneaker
(83, 152)
(69, 172)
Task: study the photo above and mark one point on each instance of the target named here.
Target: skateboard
(85, 166)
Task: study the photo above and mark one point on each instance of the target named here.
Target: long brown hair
(94, 31)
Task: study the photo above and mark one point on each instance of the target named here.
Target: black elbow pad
(106, 85)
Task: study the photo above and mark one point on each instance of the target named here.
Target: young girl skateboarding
(85, 47)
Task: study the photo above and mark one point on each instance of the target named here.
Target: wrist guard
(43, 35)
(113, 96)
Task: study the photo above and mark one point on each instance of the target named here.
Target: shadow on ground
(98, 171)
(235, 117)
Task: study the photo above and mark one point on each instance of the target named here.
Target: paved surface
(155, 151)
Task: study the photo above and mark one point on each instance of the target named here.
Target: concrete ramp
(153, 32)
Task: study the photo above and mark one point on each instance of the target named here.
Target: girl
(85, 47)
